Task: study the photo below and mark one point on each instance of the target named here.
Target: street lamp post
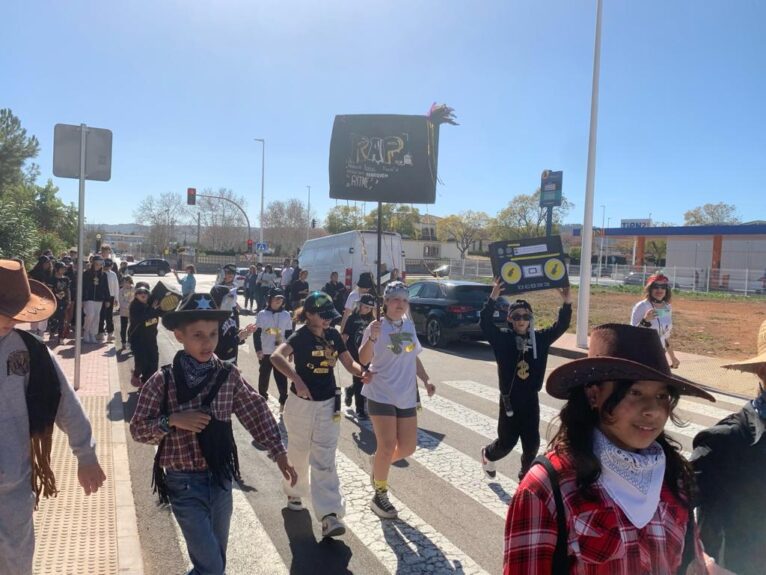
(263, 175)
(308, 215)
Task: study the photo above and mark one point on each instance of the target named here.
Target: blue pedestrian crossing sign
(261, 247)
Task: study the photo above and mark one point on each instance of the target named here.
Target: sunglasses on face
(660, 286)
(521, 317)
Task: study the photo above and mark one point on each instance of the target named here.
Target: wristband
(165, 423)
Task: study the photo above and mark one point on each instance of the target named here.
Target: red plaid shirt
(601, 538)
(181, 451)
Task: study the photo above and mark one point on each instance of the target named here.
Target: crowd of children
(613, 494)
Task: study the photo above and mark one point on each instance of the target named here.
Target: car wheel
(435, 333)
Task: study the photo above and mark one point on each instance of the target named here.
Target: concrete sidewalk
(697, 368)
(97, 535)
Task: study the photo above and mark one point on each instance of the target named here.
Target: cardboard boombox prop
(531, 264)
(168, 298)
(386, 157)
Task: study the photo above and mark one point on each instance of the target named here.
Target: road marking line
(404, 546)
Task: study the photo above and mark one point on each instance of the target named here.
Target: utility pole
(263, 176)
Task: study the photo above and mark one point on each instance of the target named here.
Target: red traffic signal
(250, 245)
(191, 196)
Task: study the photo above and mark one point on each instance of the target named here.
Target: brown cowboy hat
(620, 352)
(753, 363)
(23, 299)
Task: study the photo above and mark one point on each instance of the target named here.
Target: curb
(130, 560)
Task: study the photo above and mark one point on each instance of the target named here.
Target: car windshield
(475, 295)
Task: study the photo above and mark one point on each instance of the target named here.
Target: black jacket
(729, 462)
(95, 286)
(508, 355)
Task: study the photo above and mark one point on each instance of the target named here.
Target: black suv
(446, 310)
(150, 267)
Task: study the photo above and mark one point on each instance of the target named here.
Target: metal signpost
(82, 153)
(550, 195)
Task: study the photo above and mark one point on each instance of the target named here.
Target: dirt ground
(710, 327)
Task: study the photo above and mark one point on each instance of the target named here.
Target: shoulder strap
(560, 554)
(222, 376)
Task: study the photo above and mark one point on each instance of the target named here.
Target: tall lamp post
(583, 298)
(308, 215)
(263, 176)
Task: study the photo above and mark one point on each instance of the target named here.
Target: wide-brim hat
(21, 298)
(195, 307)
(751, 365)
(168, 298)
(620, 352)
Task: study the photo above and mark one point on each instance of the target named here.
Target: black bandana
(191, 376)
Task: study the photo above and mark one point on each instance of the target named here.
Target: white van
(350, 254)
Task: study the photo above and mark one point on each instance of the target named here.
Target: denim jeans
(203, 511)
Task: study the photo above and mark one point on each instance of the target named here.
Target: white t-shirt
(352, 298)
(273, 327)
(287, 277)
(662, 324)
(394, 365)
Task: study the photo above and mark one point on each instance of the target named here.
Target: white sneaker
(488, 466)
(294, 503)
(332, 526)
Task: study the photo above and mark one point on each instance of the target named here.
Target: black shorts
(375, 408)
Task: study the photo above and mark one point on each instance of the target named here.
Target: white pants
(312, 440)
(92, 314)
(40, 325)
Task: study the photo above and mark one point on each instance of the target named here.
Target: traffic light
(191, 196)
(250, 246)
(313, 223)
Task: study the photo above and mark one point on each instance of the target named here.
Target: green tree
(463, 229)
(16, 149)
(709, 214)
(18, 233)
(524, 218)
(344, 219)
(401, 218)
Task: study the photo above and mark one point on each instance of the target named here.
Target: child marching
(142, 335)
(186, 410)
(352, 334)
(390, 347)
(312, 410)
(274, 325)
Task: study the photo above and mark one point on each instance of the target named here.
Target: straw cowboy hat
(620, 352)
(753, 363)
(21, 298)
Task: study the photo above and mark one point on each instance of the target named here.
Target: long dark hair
(574, 438)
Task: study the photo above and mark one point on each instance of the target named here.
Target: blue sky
(186, 85)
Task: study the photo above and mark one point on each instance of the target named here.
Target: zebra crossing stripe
(462, 472)
(548, 413)
(250, 550)
(404, 546)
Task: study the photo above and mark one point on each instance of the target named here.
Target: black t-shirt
(299, 290)
(354, 329)
(315, 358)
(227, 348)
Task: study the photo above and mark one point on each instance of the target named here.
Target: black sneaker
(362, 415)
(382, 506)
(349, 396)
(487, 465)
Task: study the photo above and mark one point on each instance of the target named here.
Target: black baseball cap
(320, 303)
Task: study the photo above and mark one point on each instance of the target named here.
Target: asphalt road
(451, 517)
